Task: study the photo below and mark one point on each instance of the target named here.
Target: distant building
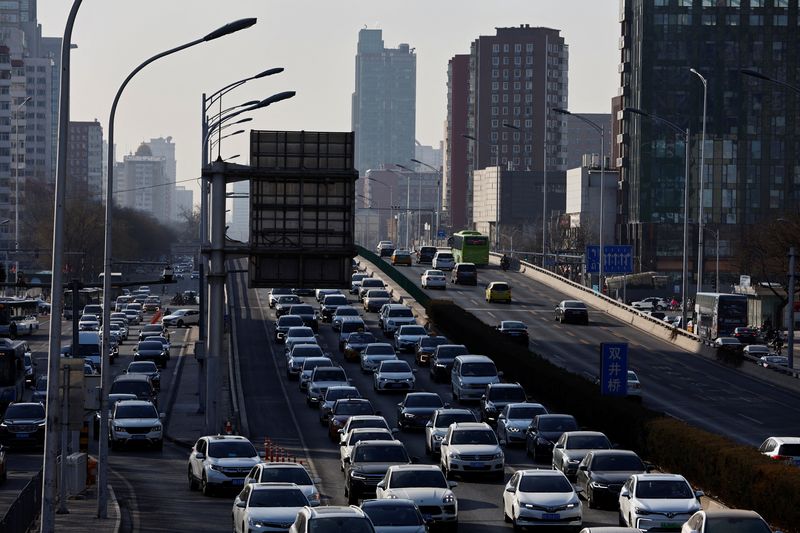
(584, 139)
(429, 155)
(582, 212)
(239, 229)
(143, 184)
(182, 202)
(455, 182)
(85, 160)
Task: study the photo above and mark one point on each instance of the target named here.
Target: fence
(25, 508)
(406, 284)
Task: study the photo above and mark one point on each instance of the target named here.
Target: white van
(443, 261)
(471, 374)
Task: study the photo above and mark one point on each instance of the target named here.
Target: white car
(322, 378)
(353, 436)
(273, 295)
(362, 421)
(782, 449)
(355, 281)
(267, 506)
(374, 354)
(307, 368)
(433, 279)
(286, 473)
(541, 498)
(181, 317)
(757, 350)
(471, 447)
(426, 486)
(440, 421)
(341, 314)
(135, 422)
(650, 501)
(726, 520)
(221, 461)
(394, 375)
(298, 355)
(298, 335)
(89, 323)
(393, 316)
(407, 337)
(514, 420)
(133, 316)
(570, 449)
(634, 385)
(443, 261)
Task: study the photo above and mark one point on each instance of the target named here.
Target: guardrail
(406, 284)
(24, 510)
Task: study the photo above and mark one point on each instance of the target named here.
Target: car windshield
(300, 332)
(296, 475)
(478, 369)
(289, 321)
(277, 498)
(500, 287)
(152, 327)
(401, 313)
(369, 435)
(371, 283)
(379, 349)
(588, 442)
(301, 310)
(142, 366)
(335, 393)
(466, 267)
(735, 524)
(435, 273)
(135, 411)
(291, 299)
(791, 450)
(451, 352)
(663, 489)
(34, 411)
(361, 338)
(306, 351)
(335, 299)
(150, 345)
(617, 463)
(402, 479)
(423, 400)
(377, 294)
(430, 342)
(367, 423)
(444, 420)
(330, 375)
(514, 325)
(547, 483)
(130, 387)
(276, 292)
(574, 305)
(395, 366)
(353, 408)
(473, 436)
(338, 524)
(231, 449)
(526, 413)
(393, 515)
(347, 311)
(507, 394)
(352, 326)
(381, 454)
(560, 423)
(311, 364)
(413, 330)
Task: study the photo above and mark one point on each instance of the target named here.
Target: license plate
(138, 437)
(238, 481)
(476, 464)
(23, 435)
(551, 516)
(671, 524)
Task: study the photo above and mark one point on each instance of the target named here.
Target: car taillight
(780, 457)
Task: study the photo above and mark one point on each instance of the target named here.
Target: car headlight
(156, 429)
(498, 455)
(438, 437)
(642, 511)
(490, 407)
(449, 498)
(596, 485)
(528, 506)
(572, 505)
(409, 415)
(258, 523)
(453, 455)
(356, 475)
(574, 461)
(512, 429)
(391, 496)
(314, 498)
(216, 468)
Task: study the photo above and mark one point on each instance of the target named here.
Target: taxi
(401, 257)
(498, 291)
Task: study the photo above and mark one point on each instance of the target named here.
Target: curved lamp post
(102, 467)
(701, 256)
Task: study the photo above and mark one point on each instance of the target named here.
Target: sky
(315, 41)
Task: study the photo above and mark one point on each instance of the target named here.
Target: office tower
(143, 185)
(85, 160)
(456, 203)
(182, 203)
(583, 139)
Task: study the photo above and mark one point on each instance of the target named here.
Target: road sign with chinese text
(617, 259)
(614, 368)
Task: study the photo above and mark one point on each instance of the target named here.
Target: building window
(528, 123)
(506, 60)
(496, 61)
(780, 20)
(495, 123)
(781, 3)
(495, 48)
(494, 98)
(518, 60)
(517, 48)
(661, 3)
(505, 98)
(528, 73)
(517, 86)
(529, 60)
(495, 85)
(494, 111)
(529, 47)
(505, 48)
(756, 20)
(709, 20)
(495, 73)
(731, 20)
(505, 85)
(756, 3)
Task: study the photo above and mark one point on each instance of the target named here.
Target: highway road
(697, 390)
(276, 409)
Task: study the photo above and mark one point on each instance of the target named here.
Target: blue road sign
(442, 234)
(592, 259)
(617, 259)
(614, 368)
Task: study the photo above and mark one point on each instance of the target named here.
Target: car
(112, 400)
(322, 378)
(89, 323)
(442, 360)
(464, 273)
(283, 324)
(362, 421)
(354, 436)
(148, 368)
(329, 518)
(436, 428)
(544, 431)
(307, 366)
(433, 279)
(496, 397)
(514, 419)
(3, 465)
(514, 330)
(298, 335)
(303, 291)
(92, 309)
(774, 361)
(40, 390)
(152, 303)
(572, 447)
(498, 291)
(121, 326)
(30, 369)
(138, 384)
(471, 447)
(470, 375)
(336, 392)
(284, 302)
(572, 311)
(541, 498)
(356, 343)
(725, 521)
(286, 472)
(374, 354)
(394, 516)
(657, 501)
(634, 386)
(406, 337)
(133, 316)
(401, 257)
(343, 313)
(119, 316)
(181, 317)
(385, 248)
(267, 506)
(298, 356)
(427, 487)
(220, 462)
(652, 303)
(307, 313)
(353, 324)
(330, 304)
(342, 410)
(392, 316)
(23, 425)
(368, 284)
(425, 255)
(272, 297)
(602, 472)
(757, 350)
(320, 294)
(416, 409)
(785, 449)
(355, 281)
(150, 350)
(393, 375)
(153, 330)
(426, 346)
(195, 274)
(374, 299)
(746, 335)
(443, 261)
(135, 422)
(369, 462)
(116, 332)
(728, 346)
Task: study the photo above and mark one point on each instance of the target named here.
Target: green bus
(471, 247)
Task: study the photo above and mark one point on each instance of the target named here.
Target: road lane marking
(491, 314)
(759, 422)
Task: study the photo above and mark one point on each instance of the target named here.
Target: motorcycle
(505, 262)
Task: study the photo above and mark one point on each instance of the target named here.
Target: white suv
(392, 316)
(427, 487)
(470, 376)
(443, 261)
(221, 461)
(135, 421)
(664, 501)
(471, 447)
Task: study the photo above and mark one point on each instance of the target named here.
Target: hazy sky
(315, 41)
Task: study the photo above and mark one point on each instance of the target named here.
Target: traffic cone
(228, 427)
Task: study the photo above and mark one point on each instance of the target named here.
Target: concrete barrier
(394, 289)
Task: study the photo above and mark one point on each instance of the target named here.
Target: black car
(442, 360)
(149, 369)
(307, 313)
(497, 396)
(746, 335)
(23, 425)
(369, 461)
(151, 351)
(283, 303)
(330, 304)
(426, 346)
(416, 409)
(284, 323)
(572, 311)
(514, 330)
(602, 473)
(425, 254)
(543, 433)
(303, 292)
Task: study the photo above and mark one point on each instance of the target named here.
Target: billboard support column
(216, 304)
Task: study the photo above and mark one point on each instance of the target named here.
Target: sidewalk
(82, 515)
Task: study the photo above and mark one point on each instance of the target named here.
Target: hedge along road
(699, 391)
(276, 409)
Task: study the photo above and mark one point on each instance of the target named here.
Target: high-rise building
(384, 102)
(85, 160)
(164, 147)
(751, 150)
(584, 139)
(182, 202)
(240, 214)
(455, 204)
(143, 184)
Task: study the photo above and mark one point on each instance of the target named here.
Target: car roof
(367, 417)
(391, 503)
(382, 443)
(225, 437)
(470, 426)
(524, 404)
(541, 472)
(273, 464)
(131, 377)
(334, 510)
(424, 468)
(730, 513)
(454, 410)
(614, 452)
(504, 385)
(422, 393)
(659, 477)
(787, 440)
(474, 358)
(584, 434)
(274, 486)
(135, 402)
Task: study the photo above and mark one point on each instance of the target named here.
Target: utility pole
(790, 307)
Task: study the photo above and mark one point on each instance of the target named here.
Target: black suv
(425, 254)
(23, 425)
(369, 461)
(307, 313)
(497, 396)
(330, 304)
(442, 360)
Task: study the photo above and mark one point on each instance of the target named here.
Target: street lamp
(685, 272)
(438, 203)
(600, 129)
(105, 371)
(391, 195)
(700, 221)
(408, 201)
(219, 139)
(16, 184)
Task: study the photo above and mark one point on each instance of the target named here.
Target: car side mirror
(483, 398)
(162, 416)
(199, 456)
(559, 447)
(511, 489)
(394, 431)
(699, 494)
(577, 489)
(452, 484)
(583, 467)
(429, 424)
(240, 504)
(413, 370)
(625, 493)
(262, 454)
(500, 374)
(649, 467)
(381, 485)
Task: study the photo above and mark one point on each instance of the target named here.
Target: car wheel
(180, 323)
(516, 526)
(446, 471)
(455, 396)
(506, 519)
(192, 481)
(590, 501)
(205, 486)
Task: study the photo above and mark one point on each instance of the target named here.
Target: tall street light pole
(16, 184)
(407, 175)
(105, 372)
(498, 203)
(438, 203)
(601, 130)
(700, 222)
(685, 133)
